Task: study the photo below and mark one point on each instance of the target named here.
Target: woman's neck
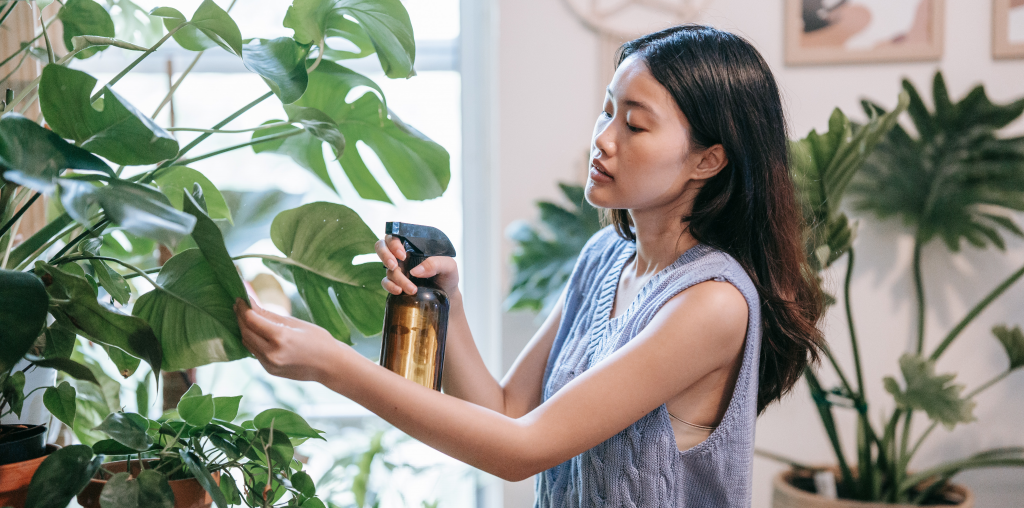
(661, 237)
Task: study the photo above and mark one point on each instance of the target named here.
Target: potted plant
(955, 181)
(125, 205)
(195, 456)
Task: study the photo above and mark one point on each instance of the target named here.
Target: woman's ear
(712, 160)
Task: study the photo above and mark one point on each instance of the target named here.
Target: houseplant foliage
(251, 463)
(122, 191)
(105, 220)
(957, 180)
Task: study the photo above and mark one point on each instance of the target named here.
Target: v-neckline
(610, 290)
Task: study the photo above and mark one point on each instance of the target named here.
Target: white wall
(549, 97)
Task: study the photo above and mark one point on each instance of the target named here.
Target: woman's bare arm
(705, 325)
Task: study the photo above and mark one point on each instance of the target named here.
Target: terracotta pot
(187, 493)
(16, 478)
(785, 495)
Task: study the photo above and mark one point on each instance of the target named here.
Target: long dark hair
(749, 209)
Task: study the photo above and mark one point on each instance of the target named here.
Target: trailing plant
(251, 463)
(122, 190)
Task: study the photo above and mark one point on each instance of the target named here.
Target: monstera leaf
(39, 153)
(822, 166)
(384, 24)
(282, 64)
(545, 256)
(111, 127)
(209, 27)
(957, 180)
(932, 393)
(419, 167)
(320, 240)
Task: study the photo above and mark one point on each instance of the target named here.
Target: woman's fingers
(257, 322)
(385, 255)
(395, 245)
(390, 286)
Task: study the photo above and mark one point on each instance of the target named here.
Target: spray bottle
(415, 326)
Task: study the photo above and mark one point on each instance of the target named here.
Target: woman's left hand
(286, 346)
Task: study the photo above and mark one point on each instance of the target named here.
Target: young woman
(681, 322)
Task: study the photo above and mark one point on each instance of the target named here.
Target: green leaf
(61, 476)
(37, 152)
(23, 308)
(134, 24)
(60, 341)
(230, 450)
(958, 180)
(291, 424)
(111, 128)
(128, 429)
(69, 367)
(253, 212)
(91, 41)
(112, 281)
(112, 447)
(142, 396)
(203, 476)
(277, 446)
(197, 411)
(384, 22)
(210, 26)
(13, 391)
(546, 254)
(85, 17)
(230, 490)
(1013, 341)
(318, 124)
(126, 364)
(175, 178)
(150, 489)
(211, 243)
(226, 408)
(931, 393)
(281, 62)
(321, 240)
(304, 484)
(76, 305)
(312, 503)
(138, 209)
(192, 314)
(60, 401)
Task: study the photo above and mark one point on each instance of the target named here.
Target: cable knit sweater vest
(641, 465)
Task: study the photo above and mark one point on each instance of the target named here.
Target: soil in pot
(795, 489)
(187, 492)
(17, 476)
(19, 442)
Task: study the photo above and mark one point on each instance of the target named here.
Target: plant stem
(18, 215)
(137, 61)
(151, 175)
(849, 322)
(139, 272)
(93, 231)
(174, 87)
(4, 18)
(133, 275)
(919, 291)
(23, 48)
(319, 56)
(226, 131)
(60, 234)
(46, 38)
(15, 69)
(280, 135)
(999, 290)
(827, 419)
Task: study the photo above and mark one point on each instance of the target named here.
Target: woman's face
(641, 156)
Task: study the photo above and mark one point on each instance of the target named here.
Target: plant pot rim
(781, 484)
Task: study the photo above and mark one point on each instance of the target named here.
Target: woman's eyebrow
(632, 102)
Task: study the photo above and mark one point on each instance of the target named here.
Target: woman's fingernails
(392, 264)
(416, 271)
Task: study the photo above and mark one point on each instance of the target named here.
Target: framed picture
(858, 31)
(1008, 29)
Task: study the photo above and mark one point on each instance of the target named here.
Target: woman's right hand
(443, 268)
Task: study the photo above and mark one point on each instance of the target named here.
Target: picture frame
(1008, 29)
(863, 31)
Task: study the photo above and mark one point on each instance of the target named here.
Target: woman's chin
(597, 196)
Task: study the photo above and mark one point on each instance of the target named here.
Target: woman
(681, 322)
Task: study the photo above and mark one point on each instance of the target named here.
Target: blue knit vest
(641, 466)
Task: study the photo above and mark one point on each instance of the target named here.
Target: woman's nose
(603, 144)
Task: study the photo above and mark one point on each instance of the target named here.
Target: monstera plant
(122, 194)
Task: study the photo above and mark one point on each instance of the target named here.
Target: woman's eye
(634, 129)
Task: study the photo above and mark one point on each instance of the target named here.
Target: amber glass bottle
(415, 326)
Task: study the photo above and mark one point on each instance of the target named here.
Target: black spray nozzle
(420, 242)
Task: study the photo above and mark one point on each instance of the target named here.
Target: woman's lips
(598, 173)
